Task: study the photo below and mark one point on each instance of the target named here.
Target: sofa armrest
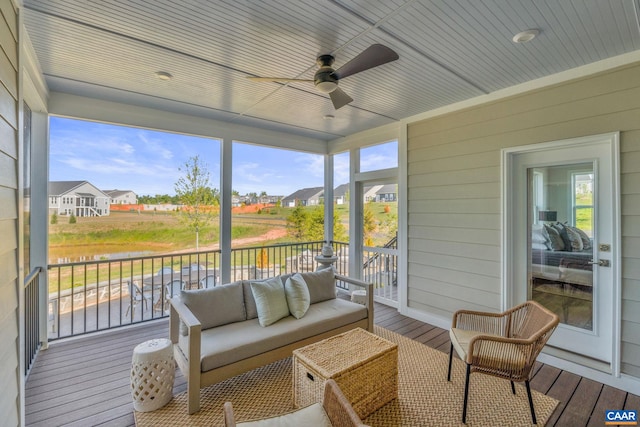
(368, 287)
(181, 313)
(188, 361)
(229, 418)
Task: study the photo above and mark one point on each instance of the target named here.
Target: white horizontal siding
(10, 367)
(454, 217)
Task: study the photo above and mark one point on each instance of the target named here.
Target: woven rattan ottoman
(364, 365)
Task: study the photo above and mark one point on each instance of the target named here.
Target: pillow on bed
(586, 241)
(555, 242)
(537, 235)
(563, 235)
(574, 238)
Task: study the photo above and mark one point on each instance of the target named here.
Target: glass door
(561, 221)
(561, 213)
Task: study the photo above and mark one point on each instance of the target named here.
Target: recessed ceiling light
(525, 36)
(329, 117)
(163, 75)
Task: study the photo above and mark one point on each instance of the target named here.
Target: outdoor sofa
(225, 331)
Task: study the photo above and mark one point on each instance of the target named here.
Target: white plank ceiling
(449, 51)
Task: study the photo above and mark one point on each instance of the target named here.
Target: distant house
(122, 197)
(80, 198)
(270, 200)
(304, 197)
(370, 193)
(388, 193)
(341, 194)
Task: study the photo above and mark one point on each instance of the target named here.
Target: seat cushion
(508, 356)
(313, 415)
(237, 341)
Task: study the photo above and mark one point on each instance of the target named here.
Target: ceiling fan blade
(276, 79)
(374, 55)
(339, 98)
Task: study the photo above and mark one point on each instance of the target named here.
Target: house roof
(58, 188)
(388, 189)
(340, 190)
(116, 193)
(448, 52)
(305, 194)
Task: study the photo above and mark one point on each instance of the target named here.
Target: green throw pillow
(271, 301)
(297, 293)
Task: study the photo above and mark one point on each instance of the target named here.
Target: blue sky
(147, 162)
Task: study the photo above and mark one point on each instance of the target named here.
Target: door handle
(601, 263)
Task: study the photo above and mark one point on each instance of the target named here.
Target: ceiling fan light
(326, 87)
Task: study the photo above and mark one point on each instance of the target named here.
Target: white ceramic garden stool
(359, 296)
(152, 374)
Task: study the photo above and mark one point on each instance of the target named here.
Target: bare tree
(192, 189)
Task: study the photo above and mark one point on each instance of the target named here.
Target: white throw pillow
(271, 301)
(313, 415)
(297, 293)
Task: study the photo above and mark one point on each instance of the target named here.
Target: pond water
(67, 254)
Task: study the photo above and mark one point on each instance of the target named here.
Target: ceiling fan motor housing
(324, 79)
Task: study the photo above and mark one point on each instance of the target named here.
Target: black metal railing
(92, 296)
(32, 341)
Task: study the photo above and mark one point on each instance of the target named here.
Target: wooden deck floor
(85, 381)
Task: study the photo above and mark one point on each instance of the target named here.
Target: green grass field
(149, 233)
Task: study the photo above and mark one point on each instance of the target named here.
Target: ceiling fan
(326, 78)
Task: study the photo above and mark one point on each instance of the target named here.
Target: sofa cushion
(238, 341)
(312, 415)
(215, 306)
(321, 284)
(297, 293)
(249, 301)
(271, 301)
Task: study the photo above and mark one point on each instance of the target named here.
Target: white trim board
(432, 319)
(623, 382)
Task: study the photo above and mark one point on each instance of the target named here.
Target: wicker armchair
(335, 405)
(504, 345)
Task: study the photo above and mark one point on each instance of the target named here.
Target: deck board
(580, 408)
(562, 390)
(84, 381)
(610, 398)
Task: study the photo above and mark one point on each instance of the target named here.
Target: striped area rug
(425, 398)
